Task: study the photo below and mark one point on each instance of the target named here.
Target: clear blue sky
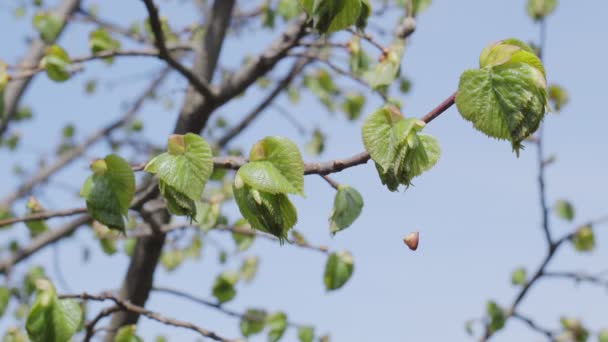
(477, 211)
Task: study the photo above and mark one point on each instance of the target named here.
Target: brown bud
(411, 240)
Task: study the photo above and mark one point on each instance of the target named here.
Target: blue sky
(477, 211)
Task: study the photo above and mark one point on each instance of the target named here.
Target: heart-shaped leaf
(338, 270)
(347, 207)
(100, 40)
(55, 63)
(306, 334)
(539, 9)
(506, 98)
(109, 191)
(252, 322)
(334, 15)
(223, 287)
(385, 72)
(277, 323)
(51, 319)
(48, 25)
(127, 334)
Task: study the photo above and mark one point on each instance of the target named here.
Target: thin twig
(330, 181)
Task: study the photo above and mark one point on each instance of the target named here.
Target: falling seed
(411, 240)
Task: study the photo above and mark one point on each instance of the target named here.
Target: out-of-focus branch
(125, 305)
(15, 90)
(71, 155)
(41, 241)
(533, 325)
(110, 27)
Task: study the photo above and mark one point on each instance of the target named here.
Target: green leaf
(306, 334)
(420, 5)
(576, 331)
(171, 259)
(353, 105)
(100, 40)
(223, 287)
(496, 316)
(249, 268)
(52, 319)
(55, 63)
(252, 322)
(564, 210)
(127, 334)
(518, 277)
(277, 323)
(243, 241)
(385, 72)
(316, 145)
(506, 98)
(36, 227)
(584, 239)
(288, 9)
(347, 207)
(359, 61)
(48, 25)
(558, 96)
(109, 191)
(5, 296)
(271, 213)
(602, 336)
(207, 214)
(400, 153)
(31, 278)
(539, 9)
(334, 15)
(338, 270)
(183, 171)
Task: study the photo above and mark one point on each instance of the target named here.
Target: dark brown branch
(41, 241)
(578, 277)
(533, 325)
(127, 306)
(90, 325)
(44, 215)
(198, 83)
(86, 16)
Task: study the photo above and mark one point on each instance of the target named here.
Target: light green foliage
(306, 334)
(5, 296)
(14, 335)
(207, 214)
(602, 336)
(171, 259)
(31, 277)
(223, 287)
(316, 145)
(564, 210)
(277, 323)
(55, 63)
(338, 270)
(347, 207)
(518, 277)
(183, 172)
(399, 151)
(168, 34)
(252, 322)
(3, 82)
(558, 97)
(109, 191)
(127, 334)
(36, 227)
(420, 5)
(51, 319)
(100, 40)
(243, 241)
(385, 72)
(353, 105)
(584, 239)
(275, 169)
(249, 268)
(496, 316)
(107, 237)
(359, 61)
(48, 25)
(506, 98)
(575, 331)
(288, 9)
(334, 15)
(322, 85)
(539, 9)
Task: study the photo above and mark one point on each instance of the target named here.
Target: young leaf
(14, 335)
(252, 322)
(223, 287)
(183, 172)
(393, 142)
(558, 96)
(5, 296)
(506, 98)
(496, 316)
(334, 15)
(385, 72)
(277, 323)
(306, 334)
(576, 331)
(100, 40)
(347, 207)
(352, 105)
(316, 145)
(518, 277)
(288, 9)
(48, 25)
(539, 9)
(338, 270)
(584, 239)
(36, 227)
(171, 259)
(271, 213)
(243, 241)
(359, 61)
(249, 268)
(207, 214)
(602, 336)
(51, 319)
(127, 334)
(564, 210)
(31, 278)
(55, 63)
(109, 191)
